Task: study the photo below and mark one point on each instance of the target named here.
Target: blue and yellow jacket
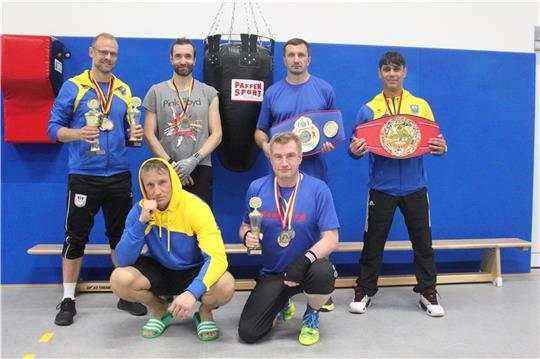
(184, 235)
(396, 177)
(68, 111)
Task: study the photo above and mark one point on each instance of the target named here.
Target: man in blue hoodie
(99, 181)
(185, 258)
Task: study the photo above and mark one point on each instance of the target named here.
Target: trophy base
(95, 153)
(254, 251)
(136, 144)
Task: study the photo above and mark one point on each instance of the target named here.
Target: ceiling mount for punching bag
(240, 66)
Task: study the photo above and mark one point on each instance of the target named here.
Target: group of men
(185, 259)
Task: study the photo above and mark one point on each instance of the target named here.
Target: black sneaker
(132, 308)
(66, 313)
(328, 306)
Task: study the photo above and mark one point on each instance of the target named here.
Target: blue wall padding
(483, 101)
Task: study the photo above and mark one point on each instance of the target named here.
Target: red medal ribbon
(182, 104)
(285, 214)
(105, 103)
(388, 106)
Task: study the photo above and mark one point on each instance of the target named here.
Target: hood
(162, 218)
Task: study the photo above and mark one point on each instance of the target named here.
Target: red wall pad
(32, 74)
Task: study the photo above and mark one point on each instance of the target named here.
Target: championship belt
(313, 129)
(398, 136)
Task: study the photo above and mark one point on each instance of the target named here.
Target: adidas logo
(371, 203)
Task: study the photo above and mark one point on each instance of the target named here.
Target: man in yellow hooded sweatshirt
(185, 257)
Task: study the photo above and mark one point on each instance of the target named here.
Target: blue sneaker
(287, 312)
(309, 334)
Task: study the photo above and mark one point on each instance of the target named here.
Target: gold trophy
(134, 118)
(255, 218)
(93, 119)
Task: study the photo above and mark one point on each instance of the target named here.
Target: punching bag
(241, 72)
(32, 74)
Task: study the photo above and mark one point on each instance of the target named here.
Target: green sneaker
(288, 311)
(309, 334)
(328, 306)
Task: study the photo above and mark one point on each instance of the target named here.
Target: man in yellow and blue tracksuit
(185, 257)
(396, 183)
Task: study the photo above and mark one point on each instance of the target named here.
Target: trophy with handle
(134, 118)
(255, 218)
(93, 119)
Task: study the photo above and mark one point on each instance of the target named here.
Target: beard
(183, 71)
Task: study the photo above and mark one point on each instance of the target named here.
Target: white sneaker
(429, 303)
(361, 301)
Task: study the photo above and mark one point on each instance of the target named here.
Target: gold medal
(330, 129)
(106, 124)
(307, 132)
(284, 239)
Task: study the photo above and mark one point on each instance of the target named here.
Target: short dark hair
(392, 58)
(296, 41)
(184, 41)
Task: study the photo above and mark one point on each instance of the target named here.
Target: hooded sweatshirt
(182, 236)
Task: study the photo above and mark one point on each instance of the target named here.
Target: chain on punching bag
(240, 70)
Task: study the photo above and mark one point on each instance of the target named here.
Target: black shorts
(165, 281)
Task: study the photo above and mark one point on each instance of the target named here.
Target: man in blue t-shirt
(300, 230)
(299, 92)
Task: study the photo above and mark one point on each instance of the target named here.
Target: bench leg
(491, 263)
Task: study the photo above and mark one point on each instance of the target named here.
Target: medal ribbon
(388, 106)
(105, 102)
(182, 104)
(285, 214)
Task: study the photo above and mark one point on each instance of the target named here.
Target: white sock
(69, 290)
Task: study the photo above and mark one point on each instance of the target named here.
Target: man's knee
(320, 278)
(221, 292)
(122, 279)
(247, 332)
(74, 247)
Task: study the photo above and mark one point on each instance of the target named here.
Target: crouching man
(185, 257)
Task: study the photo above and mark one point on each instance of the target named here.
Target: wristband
(197, 156)
(245, 235)
(311, 256)
(170, 160)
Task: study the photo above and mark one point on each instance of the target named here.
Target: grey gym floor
(482, 321)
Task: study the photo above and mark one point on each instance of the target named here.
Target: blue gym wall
(483, 101)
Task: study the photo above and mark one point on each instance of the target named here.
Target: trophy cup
(134, 118)
(255, 218)
(93, 119)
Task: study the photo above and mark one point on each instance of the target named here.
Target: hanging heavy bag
(241, 72)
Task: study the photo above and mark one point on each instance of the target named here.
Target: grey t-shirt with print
(179, 137)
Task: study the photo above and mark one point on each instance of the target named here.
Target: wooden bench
(490, 265)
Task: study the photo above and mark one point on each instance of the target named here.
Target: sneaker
(309, 334)
(360, 302)
(66, 313)
(429, 303)
(132, 308)
(287, 312)
(328, 306)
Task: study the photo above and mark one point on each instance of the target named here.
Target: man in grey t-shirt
(182, 123)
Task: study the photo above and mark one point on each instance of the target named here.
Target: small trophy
(93, 119)
(134, 118)
(255, 218)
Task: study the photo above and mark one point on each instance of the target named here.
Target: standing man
(299, 231)
(96, 179)
(182, 123)
(396, 183)
(186, 256)
(299, 92)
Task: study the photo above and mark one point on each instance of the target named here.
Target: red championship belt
(398, 136)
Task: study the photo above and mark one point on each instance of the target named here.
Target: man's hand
(187, 181)
(358, 146)
(266, 149)
(182, 305)
(186, 166)
(252, 241)
(327, 147)
(89, 134)
(138, 133)
(298, 269)
(437, 145)
(148, 208)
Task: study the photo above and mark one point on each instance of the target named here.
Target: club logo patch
(80, 200)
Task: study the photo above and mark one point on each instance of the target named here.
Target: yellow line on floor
(29, 356)
(46, 337)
